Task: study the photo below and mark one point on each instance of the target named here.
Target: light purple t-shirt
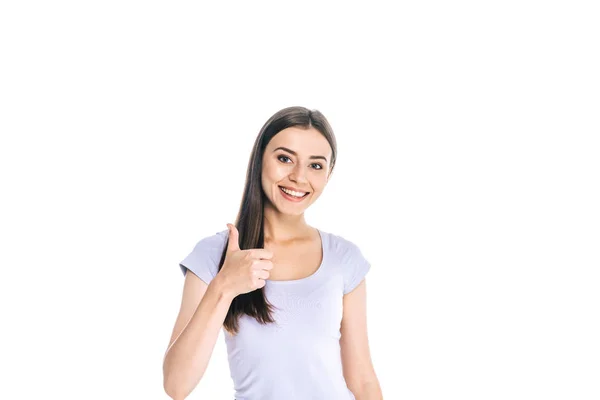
(299, 356)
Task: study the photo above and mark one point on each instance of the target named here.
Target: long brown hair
(250, 218)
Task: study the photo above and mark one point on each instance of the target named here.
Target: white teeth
(292, 193)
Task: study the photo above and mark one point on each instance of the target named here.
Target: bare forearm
(186, 360)
(369, 391)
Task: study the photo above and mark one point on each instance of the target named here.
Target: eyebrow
(294, 153)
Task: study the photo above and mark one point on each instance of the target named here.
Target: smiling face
(306, 171)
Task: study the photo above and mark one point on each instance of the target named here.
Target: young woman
(290, 298)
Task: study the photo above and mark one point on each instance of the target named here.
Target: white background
(468, 174)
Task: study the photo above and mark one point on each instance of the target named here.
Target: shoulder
(216, 241)
(345, 250)
(350, 260)
(204, 258)
(342, 245)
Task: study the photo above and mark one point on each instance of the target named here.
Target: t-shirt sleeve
(356, 267)
(204, 259)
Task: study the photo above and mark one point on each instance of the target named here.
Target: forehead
(305, 142)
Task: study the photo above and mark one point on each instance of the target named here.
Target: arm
(356, 358)
(203, 311)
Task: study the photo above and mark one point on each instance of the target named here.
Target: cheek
(273, 173)
(319, 182)
(270, 176)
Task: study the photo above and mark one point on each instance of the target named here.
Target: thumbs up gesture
(244, 270)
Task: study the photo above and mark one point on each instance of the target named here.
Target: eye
(280, 157)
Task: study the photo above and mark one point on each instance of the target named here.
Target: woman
(290, 298)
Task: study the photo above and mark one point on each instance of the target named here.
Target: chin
(299, 212)
(287, 211)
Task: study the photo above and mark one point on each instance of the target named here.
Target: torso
(296, 261)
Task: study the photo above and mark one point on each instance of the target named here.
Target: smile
(292, 195)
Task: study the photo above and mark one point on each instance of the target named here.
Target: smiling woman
(289, 297)
(290, 173)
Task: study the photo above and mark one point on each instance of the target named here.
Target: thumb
(234, 241)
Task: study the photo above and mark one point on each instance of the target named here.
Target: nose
(298, 174)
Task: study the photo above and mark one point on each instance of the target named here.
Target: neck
(282, 228)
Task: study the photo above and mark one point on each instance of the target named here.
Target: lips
(292, 197)
(293, 189)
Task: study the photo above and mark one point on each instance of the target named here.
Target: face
(300, 172)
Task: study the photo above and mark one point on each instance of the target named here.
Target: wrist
(221, 286)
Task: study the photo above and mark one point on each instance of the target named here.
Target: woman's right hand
(244, 271)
